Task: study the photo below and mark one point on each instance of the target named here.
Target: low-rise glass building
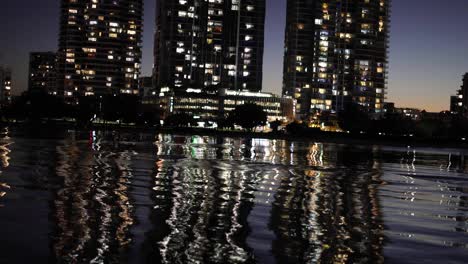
(210, 107)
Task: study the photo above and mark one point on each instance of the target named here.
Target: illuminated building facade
(5, 85)
(43, 72)
(217, 43)
(335, 53)
(211, 107)
(99, 47)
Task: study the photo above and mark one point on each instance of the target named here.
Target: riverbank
(52, 129)
(328, 137)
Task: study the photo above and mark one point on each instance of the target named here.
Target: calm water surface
(91, 197)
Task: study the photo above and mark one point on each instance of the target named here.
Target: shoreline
(29, 129)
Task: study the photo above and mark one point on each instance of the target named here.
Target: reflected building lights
(5, 143)
(334, 214)
(205, 215)
(210, 204)
(92, 209)
(234, 200)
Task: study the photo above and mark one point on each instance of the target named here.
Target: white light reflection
(5, 143)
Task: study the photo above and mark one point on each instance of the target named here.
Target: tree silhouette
(296, 128)
(353, 118)
(87, 107)
(179, 120)
(225, 123)
(275, 125)
(248, 116)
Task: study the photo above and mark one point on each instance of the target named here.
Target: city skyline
(416, 79)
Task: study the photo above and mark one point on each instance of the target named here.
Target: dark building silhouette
(145, 86)
(43, 72)
(209, 43)
(389, 107)
(99, 47)
(336, 52)
(459, 102)
(5, 85)
(456, 103)
(464, 91)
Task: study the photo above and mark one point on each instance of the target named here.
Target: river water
(94, 197)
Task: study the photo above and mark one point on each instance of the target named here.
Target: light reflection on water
(109, 197)
(5, 142)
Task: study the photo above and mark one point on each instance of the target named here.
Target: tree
(130, 105)
(37, 106)
(429, 129)
(393, 124)
(275, 125)
(296, 128)
(458, 126)
(248, 116)
(120, 107)
(354, 118)
(84, 112)
(225, 123)
(148, 118)
(179, 120)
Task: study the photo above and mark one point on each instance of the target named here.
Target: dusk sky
(428, 46)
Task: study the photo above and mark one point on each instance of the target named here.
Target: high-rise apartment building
(5, 85)
(336, 52)
(212, 44)
(99, 47)
(43, 72)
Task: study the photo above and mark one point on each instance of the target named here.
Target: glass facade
(215, 44)
(336, 52)
(99, 47)
(211, 107)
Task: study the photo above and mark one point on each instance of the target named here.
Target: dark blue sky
(428, 48)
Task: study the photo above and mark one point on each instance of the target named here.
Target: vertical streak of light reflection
(5, 143)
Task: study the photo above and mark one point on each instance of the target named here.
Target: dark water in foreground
(87, 198)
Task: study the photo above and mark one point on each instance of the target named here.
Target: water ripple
(118, 198)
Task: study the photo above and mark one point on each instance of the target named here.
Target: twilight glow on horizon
(428, 46)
